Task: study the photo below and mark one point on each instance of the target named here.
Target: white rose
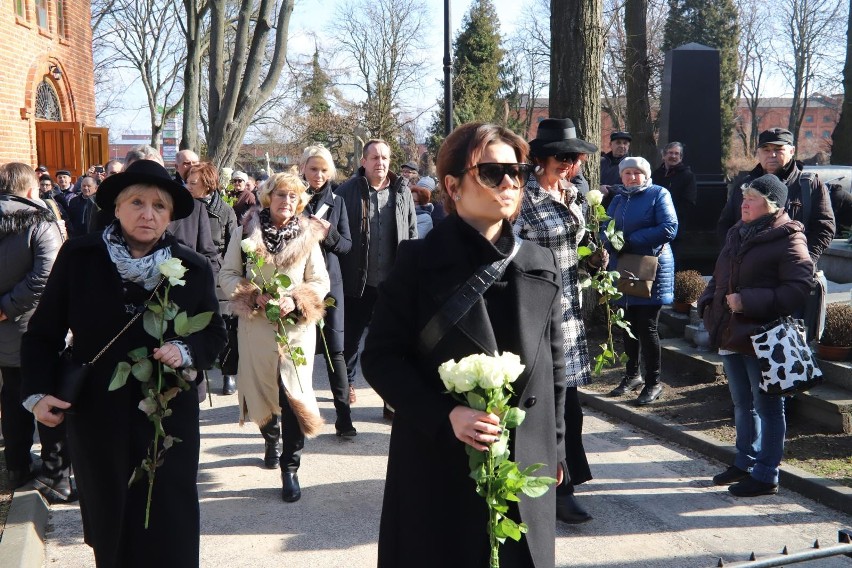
(248, 246)
(594, 197)
(174, 270)
(491, 376)
(511, 366)
(226, 173)
(457, 377)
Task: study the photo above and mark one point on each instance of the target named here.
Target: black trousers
(575, 454)
(18, 427)
(230, 356)
(643, 322)
(338, 380)
(356, 318)
(292, 438)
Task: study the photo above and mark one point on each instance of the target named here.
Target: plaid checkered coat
(548, 223)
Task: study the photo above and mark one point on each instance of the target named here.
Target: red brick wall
(27, 54)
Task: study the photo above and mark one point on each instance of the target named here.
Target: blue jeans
(759, 419)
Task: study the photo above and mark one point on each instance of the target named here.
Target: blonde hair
(321, 152)
(139, 188)
(288, 182)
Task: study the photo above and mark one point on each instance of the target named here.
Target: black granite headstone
(691, 111)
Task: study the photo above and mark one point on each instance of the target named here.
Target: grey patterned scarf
(143, 271)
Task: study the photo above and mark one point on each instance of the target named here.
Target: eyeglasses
(238, 180)
(288, 196)
(569, 157)
(491, 174)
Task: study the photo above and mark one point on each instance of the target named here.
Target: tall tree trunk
(575, 70)
(191, 77)
(841, 138)
(637, 80)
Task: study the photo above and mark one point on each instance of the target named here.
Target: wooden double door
(71, 146)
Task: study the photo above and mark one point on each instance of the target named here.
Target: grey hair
(143, 152)
(749, 191)
(671, 145)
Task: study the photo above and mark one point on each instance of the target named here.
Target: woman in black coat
(428, 483)
(329, 212)
(98, 283)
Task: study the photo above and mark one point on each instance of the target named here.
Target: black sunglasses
(491, 174)
(570, 157)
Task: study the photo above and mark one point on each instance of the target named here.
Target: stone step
(827, 405)
(838, 373)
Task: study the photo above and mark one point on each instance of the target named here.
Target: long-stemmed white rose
(157, 389)
(484, 383)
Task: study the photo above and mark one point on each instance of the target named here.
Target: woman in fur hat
(274, 392)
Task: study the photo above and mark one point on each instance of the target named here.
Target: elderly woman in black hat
(551, 216)
(99, 282)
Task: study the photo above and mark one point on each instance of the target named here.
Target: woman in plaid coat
(551, 216)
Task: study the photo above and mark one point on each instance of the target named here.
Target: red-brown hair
(465, 145)
(208, 175)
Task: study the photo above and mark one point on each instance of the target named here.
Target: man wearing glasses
(381, 215)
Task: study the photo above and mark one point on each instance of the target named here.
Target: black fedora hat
(146, 172)
(556, 136)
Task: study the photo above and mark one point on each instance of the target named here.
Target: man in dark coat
(678, 178)
(29, 241)
(775, 153)
(619, 146)
(381, 215)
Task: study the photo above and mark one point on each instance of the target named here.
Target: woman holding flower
(99, 282)
(482, 170)
(276, 330)
(552, 216)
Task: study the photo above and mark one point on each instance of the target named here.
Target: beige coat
(262, 361)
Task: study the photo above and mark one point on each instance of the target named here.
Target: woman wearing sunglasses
(551, 216)
(482, 170)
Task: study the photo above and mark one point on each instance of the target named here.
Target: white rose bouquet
(158, 389)
(484, 383)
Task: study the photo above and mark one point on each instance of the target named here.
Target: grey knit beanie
(637, 162)
(772, 188)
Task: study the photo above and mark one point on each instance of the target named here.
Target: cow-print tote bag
(787, 364)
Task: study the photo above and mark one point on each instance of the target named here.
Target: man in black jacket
(29, 241)
(775, 153)
(381, 215)
(678, 178)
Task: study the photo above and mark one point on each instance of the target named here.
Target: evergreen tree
(477, 57)
(314, 93)
(713, 23)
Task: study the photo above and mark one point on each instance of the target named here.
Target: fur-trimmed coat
(262, 362)
(29, 240)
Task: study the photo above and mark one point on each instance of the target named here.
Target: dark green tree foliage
(477, 55)
(314, 93)
(712, 23)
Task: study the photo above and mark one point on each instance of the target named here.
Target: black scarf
(276, 238)
(748, 230)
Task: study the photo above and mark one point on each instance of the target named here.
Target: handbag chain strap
(127, 326)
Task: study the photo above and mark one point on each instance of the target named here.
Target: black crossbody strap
(463, 300)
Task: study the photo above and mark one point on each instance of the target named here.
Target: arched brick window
(47, 102)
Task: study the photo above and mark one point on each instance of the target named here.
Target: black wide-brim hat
(145, 172)
(557, 136)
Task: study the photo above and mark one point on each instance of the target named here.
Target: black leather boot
(627, 384)
(272, 435)
(290, 490)
(229, 385)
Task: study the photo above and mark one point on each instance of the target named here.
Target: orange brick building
(47, 95)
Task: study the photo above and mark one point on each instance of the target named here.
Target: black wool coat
(336, 244)
(428, 485)
(108, 435)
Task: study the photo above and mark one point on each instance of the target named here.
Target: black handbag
(72, 375)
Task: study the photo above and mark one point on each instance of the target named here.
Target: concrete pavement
(653, 503)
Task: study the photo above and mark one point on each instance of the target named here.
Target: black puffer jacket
(223, 227)
(29, 241)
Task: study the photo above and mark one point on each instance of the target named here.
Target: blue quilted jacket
(649, 223)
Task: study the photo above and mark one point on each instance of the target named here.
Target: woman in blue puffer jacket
(645, 213)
